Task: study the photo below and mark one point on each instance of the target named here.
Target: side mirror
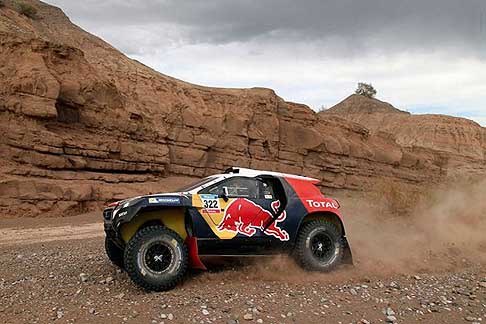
(224, 195)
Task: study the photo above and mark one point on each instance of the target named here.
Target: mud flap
(348, 256)
(194, 261)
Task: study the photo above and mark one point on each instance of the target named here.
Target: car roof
(241, 172)
(245, 172)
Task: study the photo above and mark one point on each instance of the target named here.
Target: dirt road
(10, 236)
(60, 274)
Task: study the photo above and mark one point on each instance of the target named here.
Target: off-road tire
(137, 258)
(303, 251)
(114, 253)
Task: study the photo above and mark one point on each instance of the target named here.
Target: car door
(217, 203)
(238, 206)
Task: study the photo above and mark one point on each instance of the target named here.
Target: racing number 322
(211, 204)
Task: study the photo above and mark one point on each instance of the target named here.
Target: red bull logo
(245, 217)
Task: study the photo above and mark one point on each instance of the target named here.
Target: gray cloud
(396, 25)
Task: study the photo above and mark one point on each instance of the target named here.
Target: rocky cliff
(81, 124)
(460, 141)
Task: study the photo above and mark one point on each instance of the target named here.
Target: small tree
(322, 108)
(366, 89)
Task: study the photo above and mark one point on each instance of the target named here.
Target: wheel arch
(328, 215)
(173, 218)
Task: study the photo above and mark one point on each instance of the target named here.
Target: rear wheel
(156, 258)
(319, 246)
(114, 253)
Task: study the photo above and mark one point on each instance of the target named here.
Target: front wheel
(319, 246)
(156, 258)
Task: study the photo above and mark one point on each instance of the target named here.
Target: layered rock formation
(82, 124)
(460, 141)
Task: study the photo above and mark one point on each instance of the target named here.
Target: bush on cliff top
(27, 10)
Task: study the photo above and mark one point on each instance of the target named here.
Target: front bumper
(110, 231)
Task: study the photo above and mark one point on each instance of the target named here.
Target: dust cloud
(441, 230)
(430, 231)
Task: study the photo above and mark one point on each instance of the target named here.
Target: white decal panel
(324, 204)
(210, 204)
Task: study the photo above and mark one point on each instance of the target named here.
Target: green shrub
(27, 10)
(366, 89)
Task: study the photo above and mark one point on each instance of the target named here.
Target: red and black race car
(155, 238)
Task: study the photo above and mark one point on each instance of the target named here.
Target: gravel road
(60, 274)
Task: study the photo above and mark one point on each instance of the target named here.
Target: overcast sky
(424, 56)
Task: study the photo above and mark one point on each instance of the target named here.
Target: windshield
(196, 184)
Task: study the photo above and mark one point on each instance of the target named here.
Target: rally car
(155, 238)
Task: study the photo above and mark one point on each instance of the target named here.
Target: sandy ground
(40, 282)
(25, 231)
(10, 236)
(428, 267)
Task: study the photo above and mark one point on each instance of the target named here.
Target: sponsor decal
(325, 204)
(123, 213)
(245, 217)
(210, 204)
(164, 200)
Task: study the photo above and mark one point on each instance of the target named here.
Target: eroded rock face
(81, 124)
(460, 141)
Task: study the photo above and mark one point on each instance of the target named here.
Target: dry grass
(392, 199)
(27, 10)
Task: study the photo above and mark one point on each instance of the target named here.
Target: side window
(235, 187)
